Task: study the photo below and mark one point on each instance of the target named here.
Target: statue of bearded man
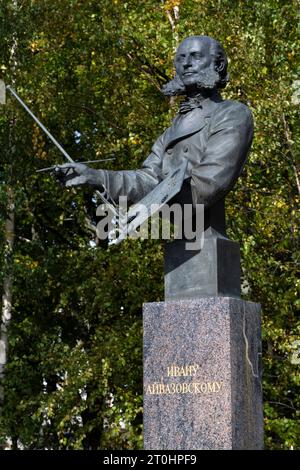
(212, 134)
(211, 137)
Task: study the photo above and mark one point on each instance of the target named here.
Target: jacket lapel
(189, 123)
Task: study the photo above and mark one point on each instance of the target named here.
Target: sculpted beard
(208, 80)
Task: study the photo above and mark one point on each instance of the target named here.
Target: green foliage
(74, 376)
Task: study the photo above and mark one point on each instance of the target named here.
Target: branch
(173, 16)
(148, 75)
(282, 404)
(23, 239)
(84, 108)
(144, 61)
(172, 22)
(287, 132)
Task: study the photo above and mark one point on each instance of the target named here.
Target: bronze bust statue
(214, 136)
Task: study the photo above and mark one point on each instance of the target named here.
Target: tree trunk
(9, 234)
(7, 284)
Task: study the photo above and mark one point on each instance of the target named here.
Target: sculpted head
(201, 64)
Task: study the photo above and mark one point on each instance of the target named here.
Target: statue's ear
(220, 64)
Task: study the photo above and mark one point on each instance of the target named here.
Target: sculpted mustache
(206, 79)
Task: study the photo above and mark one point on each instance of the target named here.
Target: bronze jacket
(215, 139)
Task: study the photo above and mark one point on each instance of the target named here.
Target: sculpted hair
(176, 86)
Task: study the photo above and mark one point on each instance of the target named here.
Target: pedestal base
(212, 271)
(202, 384)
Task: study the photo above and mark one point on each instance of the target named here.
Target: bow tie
(190, 103)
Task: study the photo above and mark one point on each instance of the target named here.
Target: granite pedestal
(202, 375)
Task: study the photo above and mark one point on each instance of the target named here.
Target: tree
(92, 70)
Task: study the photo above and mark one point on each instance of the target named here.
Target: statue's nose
(187, 62)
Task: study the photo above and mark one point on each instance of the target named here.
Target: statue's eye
(197, 55)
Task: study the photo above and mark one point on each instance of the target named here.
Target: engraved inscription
(160, 388)
(194, 387)
(182, 371)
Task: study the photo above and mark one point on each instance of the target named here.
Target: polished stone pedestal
(202, 377)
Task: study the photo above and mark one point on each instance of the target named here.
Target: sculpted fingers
(77, 174)
(71, 174)
(75, 181)
(62, 174)
(78, 168)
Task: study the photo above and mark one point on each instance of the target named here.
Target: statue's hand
(77, 174)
